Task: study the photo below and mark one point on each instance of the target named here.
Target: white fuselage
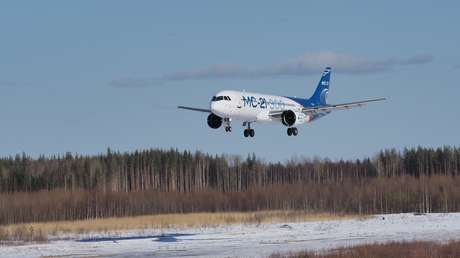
(254, 107)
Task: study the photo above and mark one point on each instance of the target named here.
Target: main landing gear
(292, 131)
(248, 132)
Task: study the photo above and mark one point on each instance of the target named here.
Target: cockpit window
(218, 98)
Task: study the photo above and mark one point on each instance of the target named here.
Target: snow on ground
(249, 240)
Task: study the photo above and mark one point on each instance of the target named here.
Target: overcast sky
(82, 76)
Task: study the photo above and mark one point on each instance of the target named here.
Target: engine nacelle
(288, 118)
(214, 121)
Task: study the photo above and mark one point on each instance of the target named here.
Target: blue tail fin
(320, 95)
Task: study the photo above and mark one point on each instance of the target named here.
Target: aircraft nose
(213, 106)
(216, 108)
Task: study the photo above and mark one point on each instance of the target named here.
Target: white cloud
(307, 64)
(136, 82)
(7, 84)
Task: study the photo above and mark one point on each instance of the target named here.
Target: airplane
(229, 105)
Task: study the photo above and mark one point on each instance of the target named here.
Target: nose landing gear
(228, 128)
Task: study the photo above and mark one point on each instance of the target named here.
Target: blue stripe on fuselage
(303, 102)
(309, 103)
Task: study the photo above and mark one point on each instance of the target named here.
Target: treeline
(372, 196)
(157, 181)
(174, 171)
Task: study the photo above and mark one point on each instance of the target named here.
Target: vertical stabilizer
(320, 95)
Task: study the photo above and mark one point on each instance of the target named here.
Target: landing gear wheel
(228, 129)
(292, 131)
(246, 132)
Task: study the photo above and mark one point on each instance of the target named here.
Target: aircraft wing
(195, 109)
(329, 108)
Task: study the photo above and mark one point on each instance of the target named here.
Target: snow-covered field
(248, 240)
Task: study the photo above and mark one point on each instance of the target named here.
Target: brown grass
(393, 250)
(40, 231)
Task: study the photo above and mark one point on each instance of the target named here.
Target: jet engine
(214, 121)
(288, 118)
